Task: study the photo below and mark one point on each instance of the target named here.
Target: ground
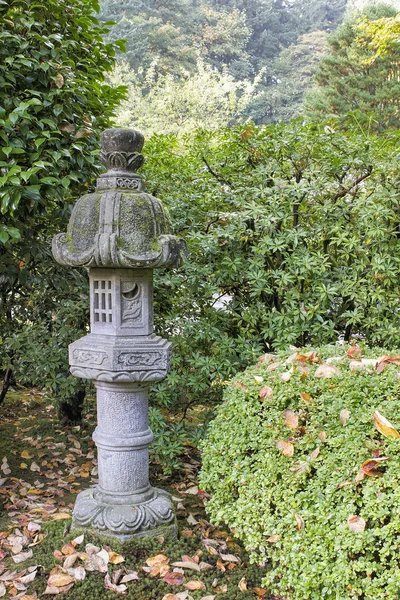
(43, 466)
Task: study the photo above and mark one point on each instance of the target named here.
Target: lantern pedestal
(123, 503)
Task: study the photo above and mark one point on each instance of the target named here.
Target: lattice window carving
(102, 301)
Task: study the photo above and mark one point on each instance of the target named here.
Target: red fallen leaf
(285, 447)
(310, 357)
(369, 466)
(385, 360)
(174, 578)
(356, 523)
(291, 419)
(265, 392)
(354, 352)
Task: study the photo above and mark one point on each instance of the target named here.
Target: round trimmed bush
(285, 464)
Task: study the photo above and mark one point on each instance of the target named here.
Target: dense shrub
(297, 225)
(329, 527)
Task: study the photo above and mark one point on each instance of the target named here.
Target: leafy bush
(296, 465)
(296, 226)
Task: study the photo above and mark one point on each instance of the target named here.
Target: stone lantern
(121, 233)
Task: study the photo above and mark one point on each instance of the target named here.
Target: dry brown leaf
(369, 467)
(115, 558)
(78, 573)
(170, 597)
(258, 378)
(19, 558)
(187, 564)
(54, 590)
(386, 360)
(159, 559)
(325, 371)
(266, 358)
(384, 426)
(315, 453)
(285, 447)
(207, 598)
(356, 523)
(274, 538)
(174, 578)
(60, 580)
(286, 376)
(265, 392)
(26, 454)
(68, 549)
(194, 585)
(291, 419)
(299, 521)
(354, 352)
(242, 585)
(259, 591)
(230, 558)
(322, 436)
(239, 385)
(4, 466)
(305, 397)
(273, 367)
(344, 416)
(130, 576)
(120, 589)
(34, 467)
(25, 579)
(310, 357)
(3, 590)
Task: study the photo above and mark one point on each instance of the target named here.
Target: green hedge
(299, 512)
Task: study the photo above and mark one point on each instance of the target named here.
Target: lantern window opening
(102, 301)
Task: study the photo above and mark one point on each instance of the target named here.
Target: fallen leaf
(386, 360)
(115, 558)
(356, 523)
(286, 376)
(306, 398)
(310, 357)
(285, 447)
(322, 436)
(19, 558)
(384, 426)
(4, 466)
(299, 521)
(242, 585)
(194, 490)
(34, 467)
(195, 585)
(170, 597)
(325, 371)
(344, 416)
(187, 564)
(130, 576)
(265, 392)
(266, 358)
(273, 367)
(258, 378)
(259, 591)
(274, 538)
(26, 454)
(3, 590)
(315, 453)
(207, 598)
(174, 578)
(60, 579)
(354, 351)
(68, 549)
(240, 385)
(28, 578)
(291, 419)
(120, 589)
(369, 467)
(78, 573)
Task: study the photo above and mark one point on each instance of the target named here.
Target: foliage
(306, 511)
(292, 233)
(289, 79)
(53, 103)
(352, 78)
(240, 37)
(381, 35)
(172, 104)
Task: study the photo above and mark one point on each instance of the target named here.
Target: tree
(173, 105)
(347, 80)
(53, 103)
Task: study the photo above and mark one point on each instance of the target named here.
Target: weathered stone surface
(121, 233)
(120, 225)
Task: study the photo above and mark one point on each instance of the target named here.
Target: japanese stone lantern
(121, 234)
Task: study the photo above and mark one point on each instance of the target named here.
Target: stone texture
(121, 233)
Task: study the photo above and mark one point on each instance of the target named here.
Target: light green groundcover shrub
(327, 532)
